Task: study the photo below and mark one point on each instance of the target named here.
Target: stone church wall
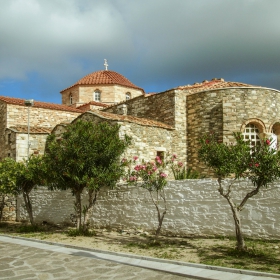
(37, 145)
(159, 107)
(169, 108)
(18, 115)
(16, 144)
(109, 94)
(194, 207)
(146, 140)
(226, 111)
(14, 115)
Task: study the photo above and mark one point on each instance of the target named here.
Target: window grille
(251, 133)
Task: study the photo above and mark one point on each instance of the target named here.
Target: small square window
(160, 154)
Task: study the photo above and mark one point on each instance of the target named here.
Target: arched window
(70, 99)
(127, 96)
(251, 133)
(96, 96)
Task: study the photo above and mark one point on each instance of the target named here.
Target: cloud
(156, 44)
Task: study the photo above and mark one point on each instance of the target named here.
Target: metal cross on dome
(106, 64)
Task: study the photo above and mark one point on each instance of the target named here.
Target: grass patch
(29, 228)
(78, 232)
(260, 255)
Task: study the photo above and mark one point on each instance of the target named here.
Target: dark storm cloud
(157, 44)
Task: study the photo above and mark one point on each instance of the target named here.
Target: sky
(48, 45)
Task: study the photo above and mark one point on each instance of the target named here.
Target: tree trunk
(160, 220)
(78, 208)
(28, 206)
(159, 215)
(92, 197)
(240, 243)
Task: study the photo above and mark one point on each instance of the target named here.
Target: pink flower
(163, 175)
(267, 141)
(257, 165)
(180, 164)
(158, 160)
(124, 160)
(137, 167)
(174, 156)
(135, 158)
(132, 178)
(154, 168)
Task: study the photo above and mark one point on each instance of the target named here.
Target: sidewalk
(23, 258)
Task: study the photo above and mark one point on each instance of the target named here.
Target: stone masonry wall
(37, 145)
(224, 112)
(194, 207)
(18, 115)
(146, 140)
(3, 123)
(14, 115)
(16, 144)
(168, 107)
(159, 107)
(241, 106)
(110, 94)
(9, 210)
(205, 114)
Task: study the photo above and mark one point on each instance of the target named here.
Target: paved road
(23, 262)
(22, 259)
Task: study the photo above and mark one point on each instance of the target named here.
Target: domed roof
(105, 77)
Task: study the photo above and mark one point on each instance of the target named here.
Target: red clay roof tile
(105, 77)
(39, 104)
(213, 84)
(32, 129)
(93, 103)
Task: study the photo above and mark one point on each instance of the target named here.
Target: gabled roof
(213, 84)
(99, 104)
(39, 104)
(32, 129)
(128, 118)
(104, 77)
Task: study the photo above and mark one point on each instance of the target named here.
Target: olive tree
(85, 158)
(260, 164)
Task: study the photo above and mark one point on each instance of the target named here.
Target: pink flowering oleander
(135, 158)
(174, 156)
(257, 165)
(180, 164)
(137, 167)
(132, 178)
(163, 175)
(267, 141)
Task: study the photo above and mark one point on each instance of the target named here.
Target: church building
(170, 121)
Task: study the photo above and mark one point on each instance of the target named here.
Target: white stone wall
(194, 207)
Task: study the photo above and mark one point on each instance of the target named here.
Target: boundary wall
(194, 208)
